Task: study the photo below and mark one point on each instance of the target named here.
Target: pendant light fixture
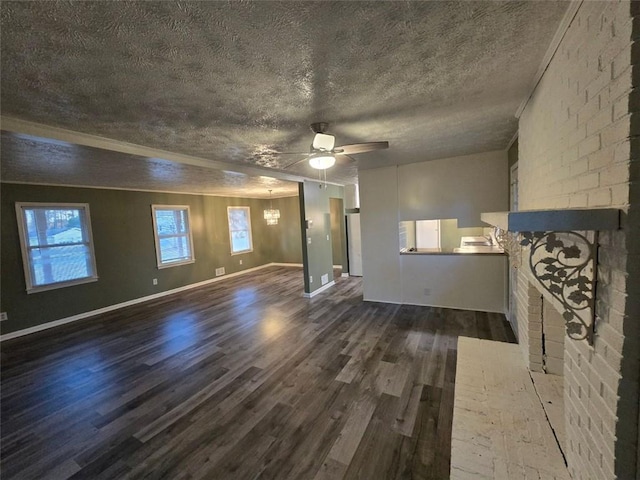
(271, 215)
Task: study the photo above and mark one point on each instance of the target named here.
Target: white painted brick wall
(554, 334)
(529, 308)
(578, 148)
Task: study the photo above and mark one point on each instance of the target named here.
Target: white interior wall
(458, 187)
(380, 239)
(447, 188)
(468, 282)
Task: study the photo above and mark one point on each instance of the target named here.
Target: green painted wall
(317, 254)
(125, 250)
(449, 238)
(287, 243)
(450, 234)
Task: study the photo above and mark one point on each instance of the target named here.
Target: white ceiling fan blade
(343, 159)
(322, 141)
(361, 147)
(289, 165)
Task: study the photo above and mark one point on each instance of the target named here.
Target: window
(240, 229)
(57, 246)
(172, 232)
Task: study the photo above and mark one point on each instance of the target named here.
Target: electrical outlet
(309, 240)
(155, 281)
(3, 316)
(327, 237)
(219, 271)
(310, 278)
(240, 262)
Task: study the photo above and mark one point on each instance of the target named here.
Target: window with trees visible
(172, 232)
(57, 245)
(240, 229)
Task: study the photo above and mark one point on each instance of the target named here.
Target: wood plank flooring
(243, 378)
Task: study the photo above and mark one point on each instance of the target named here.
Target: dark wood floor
(240, 379)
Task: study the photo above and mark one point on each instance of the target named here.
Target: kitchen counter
(475, 250)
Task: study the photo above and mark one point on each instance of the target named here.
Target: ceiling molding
(146, 190)
(569, 15)
(513, 139)
(24, 127)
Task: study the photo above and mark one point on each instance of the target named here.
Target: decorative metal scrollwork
(564, 264)
(510, 243)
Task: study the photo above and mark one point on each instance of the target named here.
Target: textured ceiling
(237, 82)
(28, 159)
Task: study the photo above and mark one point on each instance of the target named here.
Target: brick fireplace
(546, 333)
(578, 148)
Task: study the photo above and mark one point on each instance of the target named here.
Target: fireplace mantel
(569, 220)
(561, 258)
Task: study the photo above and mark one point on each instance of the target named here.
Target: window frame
(159, 263)
(249, 230)
(25, 247)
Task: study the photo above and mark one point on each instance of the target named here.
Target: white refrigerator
(354, 244)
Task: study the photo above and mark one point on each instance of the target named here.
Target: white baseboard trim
(320, 290)
(81, 316)
(451, 307)
(382, 301)
(344, 274)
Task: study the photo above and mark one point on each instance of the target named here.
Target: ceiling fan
(323, 151)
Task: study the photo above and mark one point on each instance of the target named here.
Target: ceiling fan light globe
(322, 161)
(323, 141)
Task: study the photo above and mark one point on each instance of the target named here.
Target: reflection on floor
(500, 430)
(239, 379)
